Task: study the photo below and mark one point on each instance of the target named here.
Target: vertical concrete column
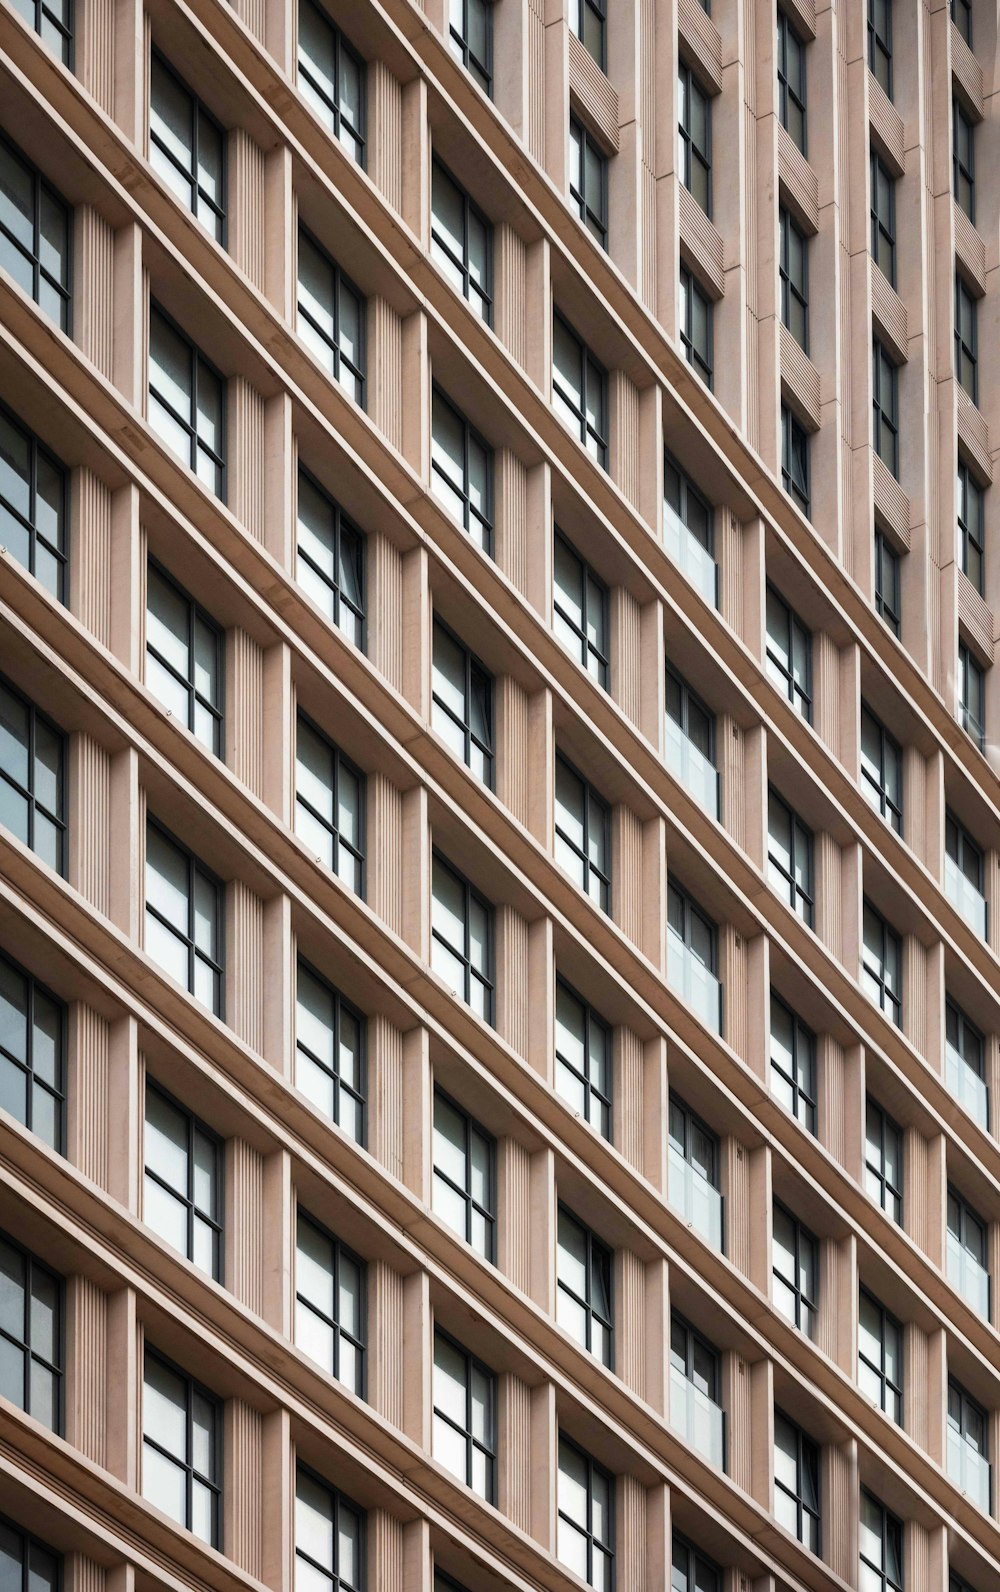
(244, 1247)
(740, 377)
(839, 1507)
(383, 864)
(762, 1434)
(625, 653)
(128, 58)
(511, 512)
(541, 769)
(125, 578)
(93, 287)
(417, 1113)
(627, 889)
(654, 1111)
(631, 1351)
(540, 1018)
(543, 1208)
(280, 227)
(123, 1139)
(925, 1554)
(417, 630)
(923, 998)
(245, 456)
(761, 1206)
(544, 1465)
(515, 1018)
(280, 982)
(840, 1082)
(277, 1241)
(244, 941)
(130, 315)
(386, 616)
(86, 1397)
(241, 1494)
(556, 156)
(81, 1574)
(838, 1302)
(736, 1403)
(417, 872)
(742, 759)
(418, 1569)
(925, 1188)
(87, 1092)
(538, 568)
(652, 675)
(94, 59)
(512, 746)
(90, 552)
(244, 681)
(829, 893)
(246, 238)
(625, 450)
(656, 1332)
(124, 1389)
(417, 1359)
(281, 33)
(510, 266)
(277, 1502)
(384, 1538)
(628, 1096)
(414, 394)
(514, 1212)
(538, 313)
(852, 906)
(385, 121)
(386, 1326)
(514, 1449)
(281, 482)
(385, 1093)
(89, 835)
(385, 369)
(738, 1205)
(415, 205)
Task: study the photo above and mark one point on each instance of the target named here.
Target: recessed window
(794, 1271)
(796, 1482)
(332, 78)
(693, 956)
(182, 1181)
(965, 874)
(795, 460)
(331, 558)
(187, 402)
(462, 241)
(583, 1059)
(585, 1495)
(691, 743)
(793, 1063)
(790, 858)
(965, 1062)
(184, 658)
(181, 1448)
(583, 834)
(789, 653)
(689, 530)
(580, 390)
(580, 611)
(888, 603)
(470, 35)
(972, 695)
(31, 1336)
(588, 20)
(966, 340)
(961, 15)
(330, 1303)
(880, 42)
(32, 795)
(330, 805)
(462, 938)
(53, 21)
(694, 137)
(882, 964)
(588, 179)
(793, 272)
(329, 1537)
(462, 471)
(885, 408)
(330, 1052)
(187, 147)
(695, 320)
(883, 211)
(881, 770)
(29, 1566)
(696, 1390)
(583, 1287)
(463, 1188)
(880, 1356)
(462, 702)
(33, 505)
(331, 317)
(36, 233)
(881, 1544)
(971, 523)
(792, 82)
(183, 917)
(465, 1416)
(693, 1171)
(963, 159)
(32, 1054)
(691, 1570)
(967, 1258)
(884, 1160)
(968, 1445)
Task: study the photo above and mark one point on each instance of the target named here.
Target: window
(463, 1190)
(583, 834)
(694, 137)
(795, 460)
(462, 938)
(693, 956)
(31, 1335)
(972, 695)
(187, 147)
(963, 165)
(184, 658)
(187, 402)
(29, 1566)
(330, 805)
(794, 276)
(53, 20)
(470, 34)
(965, 1062)
(793, 1063)
(330, 1303)
(794, 1270)
(331, 561)
(796, 1482)
(883, 203)
(583, 1059)
(880, 1356)
(881, 1542)
(462, 241)
(883, 1160)
(330, 1052)
(329, 1537)
(331, 317)
(580, 611)
(882, 965)
(583, 1287)
(791, 82)
(462, 699)
(691, 1570)
(588, 178)
(181, 1448)
(881, 770)
(462, 471)
(696, 1390)
(588, 20)
(183, 918)
(885, 408)
(968, 1445)
(961, 15)
(332, 78)
(32, 797)
(966, 340)
(691, 743)
(35, 235)
(967, 1262)
(964, 874)
(447, 1583)
(696, 327)
(789, 654)
(693, 1162)
(971, 518)
(32, 1054)
(182, 1182)
(689, 530)
(33, 505)
(580, 390)
(790, 858)
(887, 584)
(880, 42)
(586, 1504)
(465, 1399)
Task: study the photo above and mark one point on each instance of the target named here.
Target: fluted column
(242, 1522)
(384, 861)
(87, 1367)
(244, 963)
(244, 1248)
(88, 1094)
(245, 709)
(514, 1449)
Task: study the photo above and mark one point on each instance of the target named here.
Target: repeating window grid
(594, 1534)
(790, 857)
(201, 1480)
(961, 15)
(31, 1334)
(880, 1362)
(692, 1570)
(331, 314)
(588, 179)
(33, 1026)
(971, 522)
(456, 248)
(880, 42)
(588, 20)
(963, 159)
(583, 1058)
(470, 34)
(789, 653)
(330, 804)
(476, 1153)
(881, 770)
(33, 509)
(883, 213)
(188, 432)
(197, 686)
(331, 558)
(969, 1421)
(884, 1160)
(203, 894)
(882, 964)
(580, 390)
(330, 1045)
(972, 695)
(792, 81)
(793, 1063)
(49, 219)
(888, 602)
(334, 1325)
(29, 1566)
(32, 777)
(694, 133)
(965, 1038)
(697, 327)
(796, 1481)
(462, 702)
(179, 1136)
(793, 271)
(200, 177)
(462, 474)
(588, 1310)
(966, 340)
(583, 833)
(480, 1448)
(881, 1547)
(795, 460)
(476, 964)
(580, 607)
(885, 408)
(324, 1515)
(332, 78)
(795, 1270)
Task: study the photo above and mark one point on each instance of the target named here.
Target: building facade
(500, 863)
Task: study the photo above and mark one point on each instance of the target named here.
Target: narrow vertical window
(330, 805)
(888, 601)
(182, 1181)
(464, 1421)
(32, 1054)
(183, 917)
(965, 874)
(793, 1063)
(961, 15)
(885, 408)
(580, 611)
(791, 82)
(696, 327)
(181, 1448)
(881, 770)
(583, 1287)
(795, 460)
(585, 1494)
(972, 695)
(884, 1160)
(187, 402)
(588, 20)
(32, 780)
(966, 340)
(968, 1445)
(33, 505)
(330, 1052)
(331, 559)
(462, 241)
(882, 964)
(36, 235)
(796, 1482)
(583, 834)
(694, 135)
(31, 1335)
(883, 213)
(332, 78)
(462, 471)
(971, 523)
(691, 743)
(329, 1537)
(462, 702)
(690, 1569)
(470, 34)
(580, 390)
(583, 1059)
(794, 1270)
(331, 317)
(789, 653)
(963, 159)
(184, 658)
(793, 271)
(880, 1356)
(330, 1303)
(29, 1566)
(880, 42)
(693, 1171)
(881, 1545)
(588, 179)
(462, 938)
(790, 858)
(464, 1180)
(696, 1390)
(187, 147)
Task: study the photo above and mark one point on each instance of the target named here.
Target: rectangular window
(885, 408)
(462, 471)
(586, 1508)
(332, 78)
(790, 858)
(968, 1445)
(187, 402)
(330, 805)
(181, 1448)
(796, 1482)
(880, 1356)
(696, 1391)
(470, 34)
(881, 1543)
(971, 523)
(583, 834)
(184, 650)
(182, 1181)
(961, 15)
(883, 208)
(580, 611)
(965, 1062)
(696, 319)
(694, 137)
(330, 1052)
(888, 604)
(583, 1287)
(31, 1336)
(588, 178)
(966, 340)
(693, 956)
(693, 1171)
(972, 695)
(462, 702)
(793, 272)
(795, 460)
(882, 964)
(462, 938)
(331, 559)
(791, 82)
(881, 770)
(689, 530)
(33, 505)
(691, 743)
(963, 161)
(967, 1260)
(793, 1063)
(880, 42)
(464, 1182)
(187, 147)
(691, 1570)
(580, 390)
(331, 317)
(32, 1054)
(36, 231)
(53, 21)
(330, 1303)
(583, 1059)
(462, 241)
(588, 20)
(329, 1537)
(883, 1160)
(965, 874)
(794, 1270)
(32, 781)
(465, 1416)
(789, 653)
(183, 917)
(29, 1566)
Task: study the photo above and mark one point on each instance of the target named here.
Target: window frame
(487, 979)
(802, 901)
(971, 671)
(694, 1577)
(887, 1386)
(30, 1546)
(42, 188)
(970, 1407)
(691, 152)
(590, 368)
(597, 1254)
(577, 23)
(885, 407)
(888, 582)
(888, 809)
(214, 1484)
(963, 158)
(341, 1251)
(795, 448)
(341, 283)
(883, 226)
(190, 175)
(799, 696)
(195, 867)
(689, 698)
(463, 264)
(803, 1238)
(694, 1339)
(45, 16)
(890, 1003)
(59, 820)
(594, 220)
(473, 665)
(966, 338)
(594, 1468)
(879, 47)
(59, 554)
(482, 532)
(341, 1005)
(57, 1369)
(472, 1363)
(216, 1222)
(481, 72)
(797, 94)
(890, 1195)
(791, 289)
(189, 423)
(195, 613)
(35, 987)
(596, 812)
(489, 1216)
(965, 1029)
(801, 1036)
(968, 1216)
(340, 1500)
(342, 524)
(690, 906)
(591, 1020)
(961, 15)
(968, 490)
(964, 843)
(703, 363)
(341, 763)
(341, 45)
(591, 584)
(888, 1522)
(807, 1459)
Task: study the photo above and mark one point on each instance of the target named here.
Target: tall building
(500, 870)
